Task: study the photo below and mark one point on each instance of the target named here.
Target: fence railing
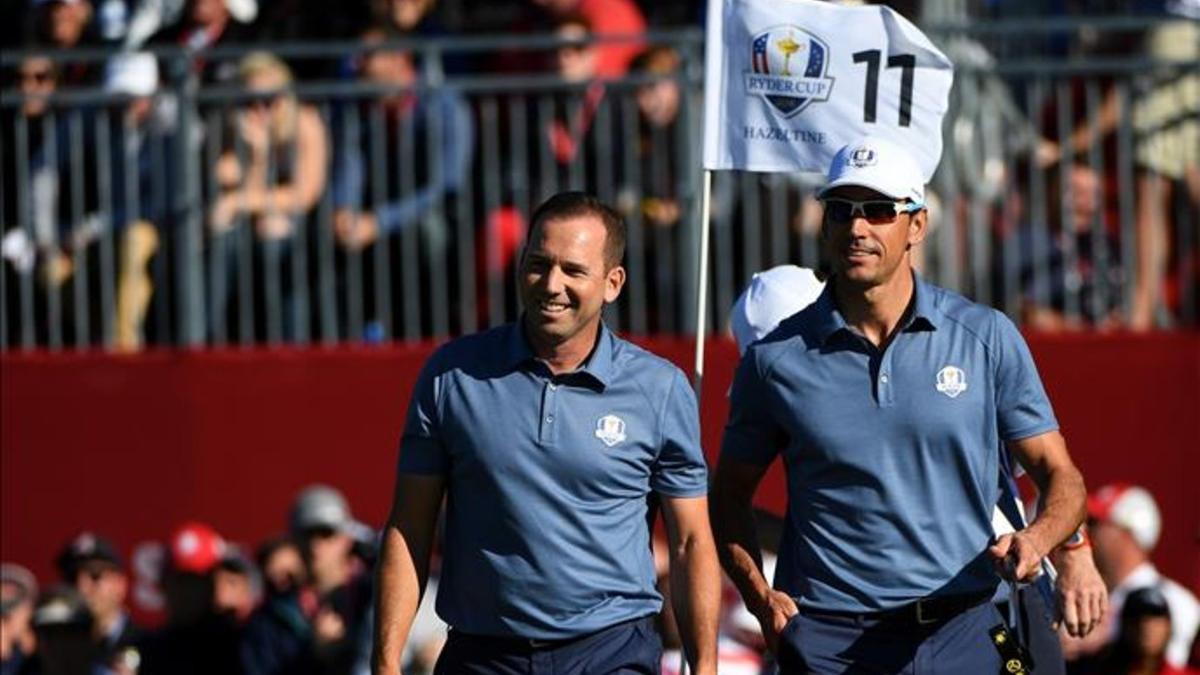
(386, 196)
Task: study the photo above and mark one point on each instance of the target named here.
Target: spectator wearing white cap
(134, 75)
(1124, 524)
(323, 625)
(136, 130)
(322, 522)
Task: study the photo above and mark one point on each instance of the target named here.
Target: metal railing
(129, 220)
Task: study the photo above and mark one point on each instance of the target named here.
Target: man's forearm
(737, 546)
(1061, 507)
(400, 582)
(696, 599)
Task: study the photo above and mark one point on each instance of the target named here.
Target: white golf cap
(134, 74)
(879, 164)
(244, 11)
(320, 506)
(1130, 507)
(771, 297)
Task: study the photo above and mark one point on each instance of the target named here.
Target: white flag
(789, 82)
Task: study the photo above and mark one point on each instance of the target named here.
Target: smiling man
(890, 400)
(547, 437)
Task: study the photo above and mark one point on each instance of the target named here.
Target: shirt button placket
(884, 385)
(550, 406)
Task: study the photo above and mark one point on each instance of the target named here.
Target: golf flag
(789, 82)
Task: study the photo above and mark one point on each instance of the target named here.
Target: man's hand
(274, 226)
(355, 231)
(56, 268)
(1082, 596)
(224, 210)
(776, 609)
(328, 626)
(1018, 556)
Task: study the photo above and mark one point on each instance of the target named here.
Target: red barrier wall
(131, 446)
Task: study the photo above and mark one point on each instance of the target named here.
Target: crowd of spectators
(365, 200)
(302, 602)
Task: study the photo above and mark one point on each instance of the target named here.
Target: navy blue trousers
(830, 644)
(632, 648)
(1038, 634)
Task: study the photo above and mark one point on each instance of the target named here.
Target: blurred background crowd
(300, 602)
(206, 173)
(192, 172)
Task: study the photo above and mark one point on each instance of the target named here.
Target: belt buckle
(921, 618)
(537, 645)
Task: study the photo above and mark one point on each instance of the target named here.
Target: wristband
(1077, 540)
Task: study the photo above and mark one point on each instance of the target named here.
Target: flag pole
(702, 283)
(701, 322)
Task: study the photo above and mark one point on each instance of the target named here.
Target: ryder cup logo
(951, 381)
(862, 158)
(789, 69)
(610, 429)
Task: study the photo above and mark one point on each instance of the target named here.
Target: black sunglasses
(319, 532)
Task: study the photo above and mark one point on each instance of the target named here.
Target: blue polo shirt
(892, 456)
(548, 478)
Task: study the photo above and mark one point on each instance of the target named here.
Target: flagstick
(702, 283)
(701, 304)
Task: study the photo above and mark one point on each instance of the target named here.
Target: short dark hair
(576, 204)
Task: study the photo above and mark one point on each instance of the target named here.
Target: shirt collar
(516, 347)
(925, 312)
(829, 320)
(598, 365)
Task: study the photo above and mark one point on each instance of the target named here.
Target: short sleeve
(751, 434)
(680, 470)
(1022, 408)
(422, 450)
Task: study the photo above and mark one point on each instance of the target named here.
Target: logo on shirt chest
(610, 429)
(951, 381)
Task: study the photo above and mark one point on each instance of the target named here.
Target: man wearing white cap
(774, 295)
(889, 399)
(135, 133)
(1124, 524)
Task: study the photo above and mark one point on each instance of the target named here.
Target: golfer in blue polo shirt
(889, 399)
(547, 438)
